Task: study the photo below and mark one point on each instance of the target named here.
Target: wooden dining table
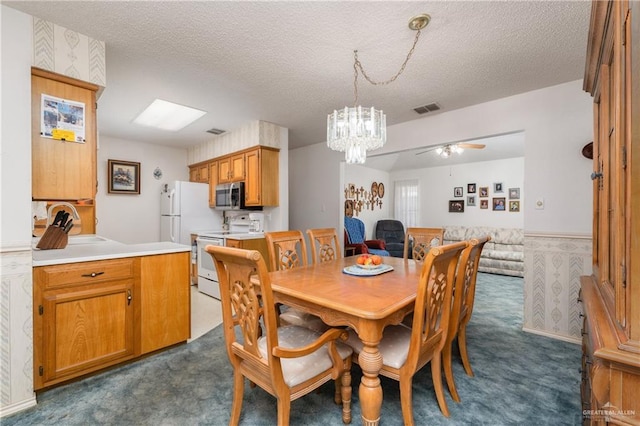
(365, 303)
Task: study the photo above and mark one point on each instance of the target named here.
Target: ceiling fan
(448, 149)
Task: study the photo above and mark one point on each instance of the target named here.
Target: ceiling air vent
(215, 131)
(427, 108)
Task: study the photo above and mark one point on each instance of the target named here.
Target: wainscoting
(552, 270)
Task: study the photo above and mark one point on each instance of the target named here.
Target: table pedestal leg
(370, 391)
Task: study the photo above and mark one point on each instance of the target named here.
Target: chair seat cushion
(394, 346)
(300, 318)
(297, 370)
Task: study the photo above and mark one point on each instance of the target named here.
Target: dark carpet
(521, 379)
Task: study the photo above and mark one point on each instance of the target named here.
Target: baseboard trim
(569, 339)
(21, 406)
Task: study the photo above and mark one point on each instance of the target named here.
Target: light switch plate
(540, 204)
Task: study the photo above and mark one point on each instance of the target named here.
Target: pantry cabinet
(610, 297)
(199, 172)
(231, 168)
(262, 177)
(92, 315)
(83, 318)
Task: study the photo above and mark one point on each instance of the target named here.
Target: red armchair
(363, 247)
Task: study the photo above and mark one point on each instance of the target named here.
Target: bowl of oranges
(369, 261)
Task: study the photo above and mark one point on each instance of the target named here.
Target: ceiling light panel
(168, 116)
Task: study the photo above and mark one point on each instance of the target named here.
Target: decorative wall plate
(381, 190)
(374, 189)
(157, 173)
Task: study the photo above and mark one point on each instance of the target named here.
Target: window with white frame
(407, 202)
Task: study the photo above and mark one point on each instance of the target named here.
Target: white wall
(136, 218)
(437, 184)
(557, 122)
(16, 299)
(363, 177)
(15, 153)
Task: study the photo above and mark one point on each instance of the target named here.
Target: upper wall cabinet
(199, 172)
(62, 170)
(262, 177)
(231, 168)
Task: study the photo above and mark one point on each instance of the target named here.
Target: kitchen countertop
(87, 248)
(233, 235)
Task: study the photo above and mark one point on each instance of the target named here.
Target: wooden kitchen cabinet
(231, 168)
(199, 172)
(259, 244)
(262, 177)
(610, 297)
(213, 181)
(165, 300)
(92, 315)
(83, 318)
(63, 170)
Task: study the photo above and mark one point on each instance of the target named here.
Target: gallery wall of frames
(496, 197)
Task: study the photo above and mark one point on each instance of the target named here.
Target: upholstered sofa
(504, 254)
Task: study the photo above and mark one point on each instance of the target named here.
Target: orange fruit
(360, 260)
(377, 260)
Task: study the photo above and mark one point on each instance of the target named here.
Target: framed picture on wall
(456, 206)
(484, 204)
(499, 203)
(124, 177)
(471, 188)
(514, 193)
(457, 191)
(471, 200)
(484, 191)
(497, 187)
(514, 206)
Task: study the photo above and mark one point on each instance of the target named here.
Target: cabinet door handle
(93, 274)
(129, 297)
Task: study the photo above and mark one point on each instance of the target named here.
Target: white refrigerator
(184, 209)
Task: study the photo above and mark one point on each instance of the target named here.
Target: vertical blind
(407, 203)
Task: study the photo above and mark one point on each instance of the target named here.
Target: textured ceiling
(291, 63)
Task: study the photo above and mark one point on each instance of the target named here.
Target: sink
(86, 239)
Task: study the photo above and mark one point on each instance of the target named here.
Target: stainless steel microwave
(230, 196)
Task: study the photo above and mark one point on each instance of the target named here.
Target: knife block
(54, 238)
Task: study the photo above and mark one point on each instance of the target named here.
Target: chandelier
(447, 150)
(356, 130)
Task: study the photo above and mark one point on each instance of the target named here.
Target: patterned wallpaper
(67, 52)
(16, 329)
(553, 266)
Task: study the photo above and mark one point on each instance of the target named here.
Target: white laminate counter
(101, 250)
(245, 236)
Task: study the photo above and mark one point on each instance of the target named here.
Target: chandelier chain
(357, 65)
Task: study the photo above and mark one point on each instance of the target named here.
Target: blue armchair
(354, 237)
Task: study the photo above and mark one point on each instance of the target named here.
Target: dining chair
(288, 362)
(406, 350)
(287, 249)
(463, 299)
(324, 244)
(418, 241)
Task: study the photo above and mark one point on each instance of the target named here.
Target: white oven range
(207, 275)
